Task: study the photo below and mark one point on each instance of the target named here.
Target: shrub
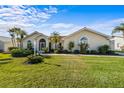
(103, 49)
(65, 51)
(20, 52)
(71, 46)
(111, 52)
(93, 52)
(45, 50)
(76, 52)
(56, 50)
(83, 48)
(11, 48)
(34, 59)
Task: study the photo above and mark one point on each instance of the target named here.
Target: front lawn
(64, 71)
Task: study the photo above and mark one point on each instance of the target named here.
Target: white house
(5, 43)
(93, 38)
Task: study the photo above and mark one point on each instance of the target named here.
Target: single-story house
(93, 38)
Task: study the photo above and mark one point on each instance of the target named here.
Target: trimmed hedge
(20, 52)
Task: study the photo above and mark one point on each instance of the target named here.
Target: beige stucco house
(93, 38)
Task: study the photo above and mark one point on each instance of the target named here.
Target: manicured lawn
(4, 56)
(64, 71)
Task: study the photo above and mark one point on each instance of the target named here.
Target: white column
(34, 47)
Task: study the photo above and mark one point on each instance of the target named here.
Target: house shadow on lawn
(4, 62)
(53, 64)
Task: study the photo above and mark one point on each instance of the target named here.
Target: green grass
(64, 71)
(4, 56)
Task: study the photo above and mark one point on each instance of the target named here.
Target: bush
(20, 52)
(56, 50)
(45, 50)
(34, 59)
(103, 49)
(65, 51)
(83, 48)
(111, 52)
(93, 52)
(76, 52)
(11, 48)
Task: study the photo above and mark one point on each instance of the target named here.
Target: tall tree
(17, 34)
(55, 38)
(12, 34)
(119, 28)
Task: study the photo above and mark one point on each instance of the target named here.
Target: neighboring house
(93, 38)
(5, 43)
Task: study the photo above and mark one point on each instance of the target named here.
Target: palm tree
(55, 38)
(12, 34)
(119, 28)
(17, 34)
(20, 35)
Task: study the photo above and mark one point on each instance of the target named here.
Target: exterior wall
(117, 43)
(94, 40)
(35, 38)
(1, 46)
(7, 45)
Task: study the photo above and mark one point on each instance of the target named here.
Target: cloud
(106, 26)
(25, 17)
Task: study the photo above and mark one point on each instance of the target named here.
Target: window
(42, 44)
(29, 44)
(83, 40)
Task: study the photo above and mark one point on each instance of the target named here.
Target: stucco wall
(117, 43)
(94, 40)
(32, 39)
(1, 46)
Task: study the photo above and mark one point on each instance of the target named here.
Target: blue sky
(64, 19)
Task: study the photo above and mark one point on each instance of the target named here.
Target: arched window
(42, 44)
(29, 44)
(83, 40)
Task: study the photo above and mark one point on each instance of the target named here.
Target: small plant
(71, 46)
(93, 52)
(83, 48)
(103, 49)
(35, 59)
(56, 50)
(76, 51)
(45, 50)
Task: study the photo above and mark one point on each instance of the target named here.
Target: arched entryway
(42, 44)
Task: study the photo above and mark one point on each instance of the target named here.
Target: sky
(63, 19)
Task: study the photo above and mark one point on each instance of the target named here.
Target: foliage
(71, 46)
(55, 38)
(34, 59)
(83, 48)
(65, 51)
(103, 49)
(17, 34)
(20, 52)
(11, 48)
(93, 52)
(45, 50)
(76, 51)
(56, 50)
(119, 28)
